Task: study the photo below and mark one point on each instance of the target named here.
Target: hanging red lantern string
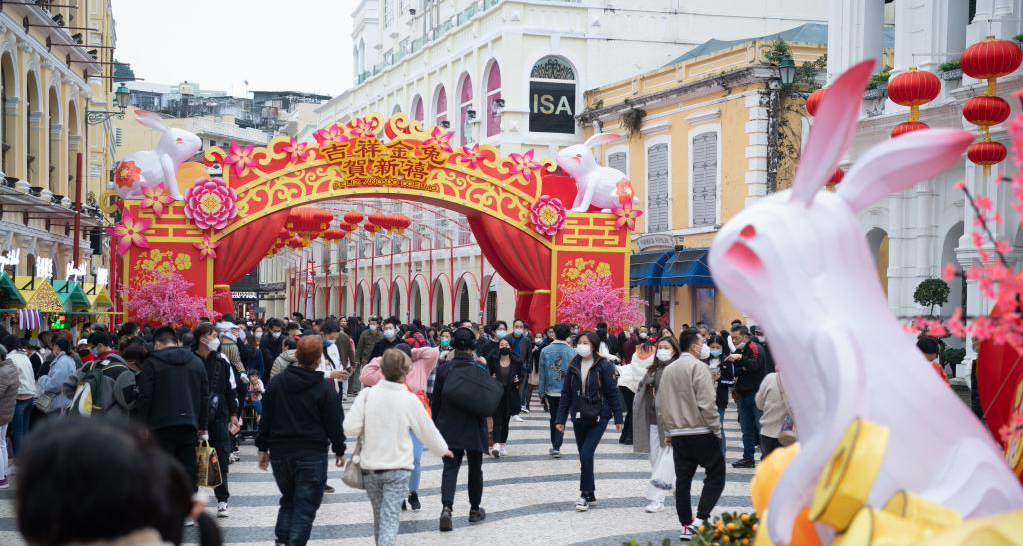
(370, 227)
(378, 219)
(814, 100)
(345, 226)
(296, 243)
(906, 127)
(334, 234)
(353, 217)
(988, 60)
(913, 88)
(401, 222)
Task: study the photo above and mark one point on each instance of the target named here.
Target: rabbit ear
(831, 131)
(601, 138)
(151, 120)
(900, 163)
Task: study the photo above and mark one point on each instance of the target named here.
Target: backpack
(95, 390)
(473, 390)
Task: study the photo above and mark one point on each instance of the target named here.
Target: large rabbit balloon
(146, 169)
(602, 187)
(798, 263)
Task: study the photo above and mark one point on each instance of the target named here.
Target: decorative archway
(392, 158)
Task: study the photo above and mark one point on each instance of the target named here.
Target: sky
(295, 45)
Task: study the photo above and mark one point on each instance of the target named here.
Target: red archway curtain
(522, 261)
(240, 251)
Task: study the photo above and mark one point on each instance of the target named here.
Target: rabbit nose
(179, 140)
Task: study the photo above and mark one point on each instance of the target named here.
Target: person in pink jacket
(424, 360)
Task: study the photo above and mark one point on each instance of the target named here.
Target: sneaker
(525, 410)
(495, 451)
(189, 522)
(582, 505)
(504, 450)
(234, 457)
(328, 489)
(555, 453)
(445, 520)
(477, 515)
(518, 419)
(4, 484)
(222, 511)
(688, 532)
(654, 507)
(591, 498)
(744, 463)
(413, 501)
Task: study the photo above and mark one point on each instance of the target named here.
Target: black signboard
(551, 107)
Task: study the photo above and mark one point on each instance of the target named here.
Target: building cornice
(28, 43)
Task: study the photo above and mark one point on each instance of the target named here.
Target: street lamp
(787, 70)
(121, 97)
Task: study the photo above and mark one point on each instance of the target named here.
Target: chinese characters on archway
(368, 162)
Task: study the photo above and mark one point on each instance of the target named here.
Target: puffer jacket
(287, 358)
(8, 390)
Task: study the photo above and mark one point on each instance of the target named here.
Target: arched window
(397, 108)
(552, 96)
(33, 107)
(440, 106)
(74, 141)
(417, 108)
(463, 303)
(493, 95)
(53, 131)
(8, 114)
(464, 107)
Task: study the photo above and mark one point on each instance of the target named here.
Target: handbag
(473, 390)
(207, 465)
(352, 476)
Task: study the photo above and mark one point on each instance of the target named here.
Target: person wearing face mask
(506, 366)
(391, 339)
(336, 361)
(749, 369)
(368, 340)
(650, 433)
(688, 416)
(487, 343)
(223, 403)
(628, 382)
(521, 340)
(590, 396)
(758, 333)
(270, 343)
(723, 372)
(638, 337)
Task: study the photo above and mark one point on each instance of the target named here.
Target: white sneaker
(582, 505)
(189, 522)
(495, 451)
(525, 410)
(688, 532)
(556, 454)
(518, 419)
(222, 511)
(654, 507)
(504, 450)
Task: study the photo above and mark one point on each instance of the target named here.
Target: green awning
(70, 294)
(10, 290)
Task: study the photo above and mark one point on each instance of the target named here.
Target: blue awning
(687, 266)
(645, 268)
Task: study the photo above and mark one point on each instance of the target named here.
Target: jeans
(179, 442)
(22, 415)
(386, 490)
(627, 399)
(449, 479)
(557, 436)
(690, 452)
(587, 437)
(749, 420)
(220, 439)
(3, 452)
(721, 414)
(301, 481)
(417, 460)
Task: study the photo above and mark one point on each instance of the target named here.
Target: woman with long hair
(649, 432)
(590, 397)
(506, 366)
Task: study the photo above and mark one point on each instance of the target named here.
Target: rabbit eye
(748, 232)
(180, 140)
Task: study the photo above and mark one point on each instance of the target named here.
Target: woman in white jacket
(382, 417)
(628, 383)
(649, 432)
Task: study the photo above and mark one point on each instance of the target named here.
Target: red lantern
(991, 58)
(836, 176)
(907, 126)
(353, 217)
(370, 227)
(296, 243)
(378, 218)
(986, 110)
(814, 100)
(302, 220)
(914, 87)
(986, 153)
(334, 234)
(345, 226)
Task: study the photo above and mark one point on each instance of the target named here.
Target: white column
(756, 150)
(854, 33)
(926, 30)
(968, 254)
(897, 250)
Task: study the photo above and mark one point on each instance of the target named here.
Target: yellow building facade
(701, 139)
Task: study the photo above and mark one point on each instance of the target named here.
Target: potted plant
(931, 293)
(950, 70)
(877, 87)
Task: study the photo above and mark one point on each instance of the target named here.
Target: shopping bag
(208, 465)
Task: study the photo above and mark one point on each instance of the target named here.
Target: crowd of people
(452, 389)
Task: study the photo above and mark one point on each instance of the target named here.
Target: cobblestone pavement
(529, 498)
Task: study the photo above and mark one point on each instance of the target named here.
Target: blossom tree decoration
(626, 216)
(156, 198)
(600, 301)
(331, 135)
(524, 164)
(240, 157)
(548, 215)
(129, 232)
(211, 203)
(165, 300)
(127, 174)
(297, 151)
(441, 138)
(206, 247)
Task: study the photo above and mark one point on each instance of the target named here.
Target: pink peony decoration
(156, 198)
(130, 232)
(210, 203)
(548, 215)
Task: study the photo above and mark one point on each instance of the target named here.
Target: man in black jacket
(173, 399)
(223, 405)
(391, 338)
(749, 372)
(301, 414)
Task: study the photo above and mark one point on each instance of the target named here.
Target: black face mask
(505, 351)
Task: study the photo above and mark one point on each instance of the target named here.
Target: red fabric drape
(242, 250)
(521, 261)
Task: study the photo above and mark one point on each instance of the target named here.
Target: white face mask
(704, 352)
(519, 331)
(642, 335)
(501, 333)
(538, 340)
(664, 355)
(213, 344)
(372, 327)
(583, 350)
(389, 333)
(259, 334)
(275, 335)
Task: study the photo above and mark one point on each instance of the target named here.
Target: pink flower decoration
(240, 157)
(299, 151)
(211, 203)
(331, 135)
(206, 247)
(441, 138)
(130, 232)
(626, 216)
(472, 155)
(523, 164)
(156, 198)
(360, 128)
(547, 215)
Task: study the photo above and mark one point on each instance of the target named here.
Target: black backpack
(473, 390)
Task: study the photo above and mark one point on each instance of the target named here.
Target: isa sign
(551, 107)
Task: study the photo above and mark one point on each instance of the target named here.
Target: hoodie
(285, 359)
(174, 390)
(302, 414)
(424, 360)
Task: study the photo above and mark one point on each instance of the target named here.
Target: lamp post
(121, 96)
(787, 70)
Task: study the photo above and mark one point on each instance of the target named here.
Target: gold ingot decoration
(931, 516)
(847, 478)
(762, 538)
(1005, 529)
(877, 528)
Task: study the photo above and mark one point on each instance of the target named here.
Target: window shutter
(658, 188)
(704, 183)
(617, 161)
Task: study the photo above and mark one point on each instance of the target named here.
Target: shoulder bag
(352, 476)
(473, 390)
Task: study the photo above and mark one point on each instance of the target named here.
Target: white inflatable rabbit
(160, 165)
(800, 257)
(595, 185)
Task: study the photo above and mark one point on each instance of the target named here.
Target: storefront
(677, 285)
